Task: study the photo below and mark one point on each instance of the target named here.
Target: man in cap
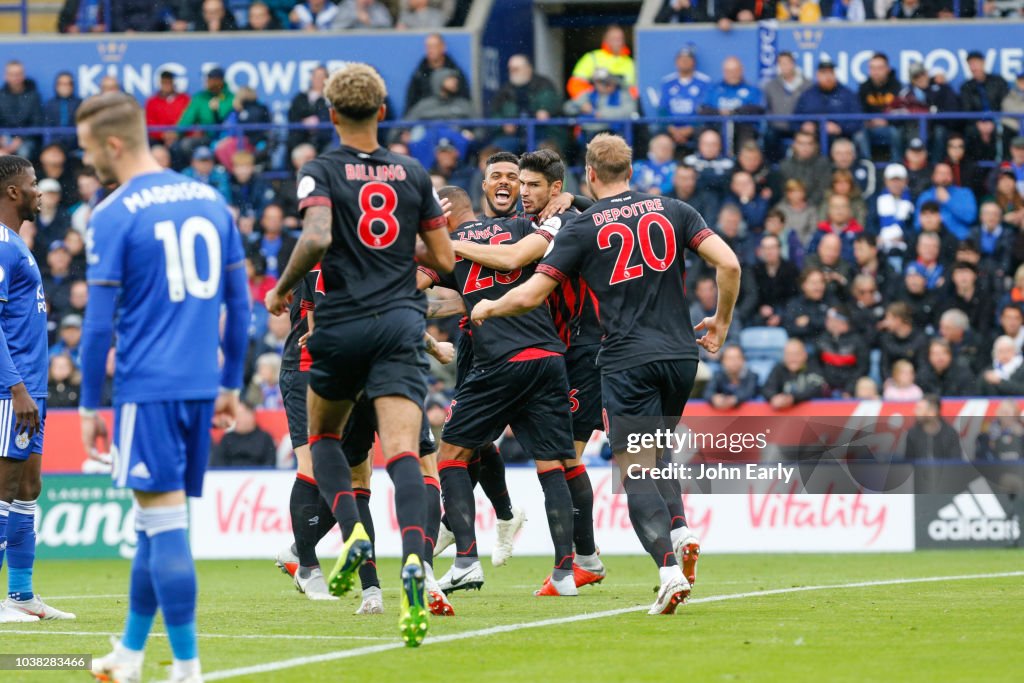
(209, 106)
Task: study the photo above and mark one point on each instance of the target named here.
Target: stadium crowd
(885, 265)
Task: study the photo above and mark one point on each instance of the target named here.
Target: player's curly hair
(544, 161)
(356, 91)
(12, 166)
(610, 157)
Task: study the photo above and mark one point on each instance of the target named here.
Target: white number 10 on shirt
(180, 251)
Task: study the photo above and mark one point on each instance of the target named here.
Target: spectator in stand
(930, 218)
(868, 262)
(54, 164)
(994, 239)
(1013, 103)
(215, 18)
(1011, 323)
(751, 159)
(795, 380)
(906, 9)
(684, 187)
(421, 83)
(868, 309)
(931, 438)
(682, 12)
(250, 194)
(807, 166)
(942, 374)
(713, 168)
(88, 189)
(803, 11)
(841, 354)
(165, 108)
(246, 110)
(964, 170)
(286, 189)
(732, 230)
(268, 342)
(64, 384)
(728, 12)
(923, 95)
(264, 391)
(733, 384)
(526, 95)
(1006, 364)
(57, 281)
(60, 111)
(608, 100)
(876, 96)
(982, 91)
(902, 385)
(446, 164)
(734, 96)
(955, 328)
(843, 155)
(74, 241)
(52, 221)
(928, 251)
(804, 317)
(1003, 440)
(801, 220)
(682, 94)
(20, 107)
(655, 173)
(843, 185)
(839, 221)
(776, 282)
(313, 111)
(259, 17)
(924, 301)
(205, 170)
(81, 16)
(899, 337)
(827, 96)
(275, 244)
(892, 213)
(866, 390)
(743, 193)
(919, 171)
(1008, 198)
(69, 341)
(965, 294)
(957, 205)
(613, 57)
(828, 258)
(79, 297)
(313, 15)
(246, 445)
(109, 83)
(781, 94)
(361, 14)
(418, 15)
(208, 107)
(445, 103)
(87, 16)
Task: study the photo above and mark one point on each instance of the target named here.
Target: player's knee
(452, 452)
(29, 489)
(547, 465)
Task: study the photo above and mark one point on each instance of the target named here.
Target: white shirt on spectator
(304, 17)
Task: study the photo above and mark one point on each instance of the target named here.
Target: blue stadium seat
(763, 343)
(762, 367)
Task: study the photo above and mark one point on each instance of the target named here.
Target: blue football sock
(141, 597)
(21, 549)
(174, 576)
(4, 511)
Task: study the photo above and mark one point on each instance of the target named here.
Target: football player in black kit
(363, 207)
(518, 378)
(626, 247)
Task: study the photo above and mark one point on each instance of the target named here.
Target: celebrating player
(362, 207)
(541, 175)
(518, 378)
(164, 254)
(23, 370)
(648, 355)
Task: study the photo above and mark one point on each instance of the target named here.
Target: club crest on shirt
(305, 187)
(21, 441)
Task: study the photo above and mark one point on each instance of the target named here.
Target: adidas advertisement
(975, 517)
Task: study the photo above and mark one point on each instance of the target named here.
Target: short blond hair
(356, 92)
(114, 114)
(610, 157)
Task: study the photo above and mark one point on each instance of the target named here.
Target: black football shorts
(293, 391)
(584, 390)
(656, 389)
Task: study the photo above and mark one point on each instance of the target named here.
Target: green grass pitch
(970, 629)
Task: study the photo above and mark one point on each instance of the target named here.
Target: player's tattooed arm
(444, 352)
(723, 259)
(312, 245)
(517, 301)
(443, 308)
(504, 257)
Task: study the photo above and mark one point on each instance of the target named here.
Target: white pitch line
(111, 596)
(247, 636)
(495, 630)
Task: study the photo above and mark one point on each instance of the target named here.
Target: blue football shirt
(24, 315)
(166, 241)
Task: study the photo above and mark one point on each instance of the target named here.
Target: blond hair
(356, 92)
(114, 114)
(610, 157)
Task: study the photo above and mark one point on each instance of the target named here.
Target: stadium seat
(762, 367)
(763, 343)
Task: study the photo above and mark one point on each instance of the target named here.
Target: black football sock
(325, 520)
(410, 502)
(460, 507)
(334, 478)
(304, 507)
(492, 480)
(649, 515)
(672, 492)
(432, 520)
(558, 506)
(473, 468)
(368, 569)
(582, 493)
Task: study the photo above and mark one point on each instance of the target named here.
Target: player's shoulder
(9, 245)
(702, 77)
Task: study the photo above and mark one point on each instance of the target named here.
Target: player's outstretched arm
(504, 256)
(517, 301)
(312, 245)
(437, 251)
(443, 308)
(234, 344)
(722, 258)
(97, 335)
